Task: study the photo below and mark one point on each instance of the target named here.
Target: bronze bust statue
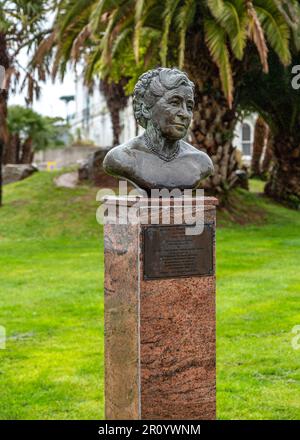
(163, 101)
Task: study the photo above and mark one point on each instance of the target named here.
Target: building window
(246, 139)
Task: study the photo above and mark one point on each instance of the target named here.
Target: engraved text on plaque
(169, 252)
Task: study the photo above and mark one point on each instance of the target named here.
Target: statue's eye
(190, 106)
(175, 101)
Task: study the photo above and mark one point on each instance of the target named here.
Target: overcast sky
(49, 103)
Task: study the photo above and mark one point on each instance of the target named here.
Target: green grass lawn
(51, 304)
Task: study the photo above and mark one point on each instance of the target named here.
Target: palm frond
(96, 14)
(170, 8)
(235, 21)
(104, 45)
(290, 9)
(149, 57)
(139, 6)
(92, 60)
(65, 41)
(216, 7)
(79, 42)
(72, 9)
(215, 37)
(275, 27)
(43, 49)
(118, 42)
(256, 33)
(60, 61)
(183, 21)
(232, 16)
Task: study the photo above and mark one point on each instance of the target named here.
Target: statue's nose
(183, 114)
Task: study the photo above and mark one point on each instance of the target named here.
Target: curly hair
(152, 85)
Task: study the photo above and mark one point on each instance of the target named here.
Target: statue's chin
(175, 138)
(171, 133)
(175, 135)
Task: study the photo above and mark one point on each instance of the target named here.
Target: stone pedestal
(159, 327)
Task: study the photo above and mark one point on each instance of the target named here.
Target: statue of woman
(163, 102)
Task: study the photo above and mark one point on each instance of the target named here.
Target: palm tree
(212, 40)
(21, 26)
(279, 104)
(4, 62)
(116, 100)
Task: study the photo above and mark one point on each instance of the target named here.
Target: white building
(244, 137)
(92, 122)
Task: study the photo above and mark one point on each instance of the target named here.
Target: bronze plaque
(170, 253)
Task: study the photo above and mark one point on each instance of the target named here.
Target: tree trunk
(4, 136)
(27, 151)
(18, 149)
(11, 152)
(212, 130)
(213, 120)
(116, 101)
(1, 176)
(268, 156)
(284, 183)
(260, 137)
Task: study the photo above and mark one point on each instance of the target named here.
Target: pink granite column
(121, 287)
(159, 333)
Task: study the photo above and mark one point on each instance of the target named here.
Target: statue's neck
(166, 149)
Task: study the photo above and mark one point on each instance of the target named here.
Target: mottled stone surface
(159, 335)
(121, 323)
(178, 348)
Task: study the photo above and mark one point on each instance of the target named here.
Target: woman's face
(172, 113)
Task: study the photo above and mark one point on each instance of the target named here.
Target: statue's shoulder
(120, 157)
(188, 149)
(198, 156)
